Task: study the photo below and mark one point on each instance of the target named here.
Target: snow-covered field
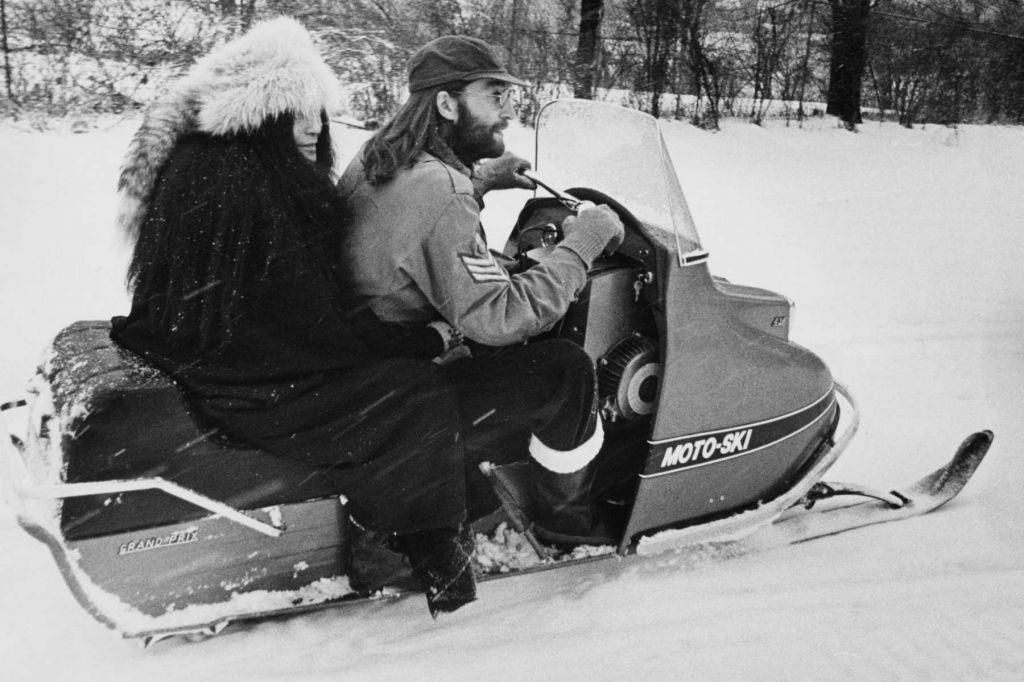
(903, 250)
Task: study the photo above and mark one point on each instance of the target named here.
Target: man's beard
(472, 140)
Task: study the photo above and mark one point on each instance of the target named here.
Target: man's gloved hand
(593, 230)
(501, 173)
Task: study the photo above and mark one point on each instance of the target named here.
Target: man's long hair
(223, 211)
(417, 127)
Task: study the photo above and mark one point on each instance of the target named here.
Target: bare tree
(705, 70)
(587, 47)
(948, 61)
(849, 32)
(804, 74)
(6, 49)
(773, 27)
(657, 24)
(1002, 64)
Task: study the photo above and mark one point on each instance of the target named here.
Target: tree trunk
(658, 72)
(248, 14)
(586, 47)
(513, 48)
(805, 62)
(657, 24)
(705, 76)
(6, 49)
(848, 58)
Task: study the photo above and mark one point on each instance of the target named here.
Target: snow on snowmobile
(719, 431)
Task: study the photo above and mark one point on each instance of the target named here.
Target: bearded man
(417, 253)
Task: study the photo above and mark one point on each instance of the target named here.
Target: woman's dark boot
(441, 559)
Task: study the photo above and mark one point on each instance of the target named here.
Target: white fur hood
(273, 68)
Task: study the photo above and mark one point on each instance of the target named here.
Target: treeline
(945, 61)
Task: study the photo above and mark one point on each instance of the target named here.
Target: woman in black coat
(238, 294)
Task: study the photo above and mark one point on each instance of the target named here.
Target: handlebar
(569, 200)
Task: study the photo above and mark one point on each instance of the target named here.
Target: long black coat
(238, 296)
(303, 379)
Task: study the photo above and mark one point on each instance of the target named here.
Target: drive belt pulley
(628, 377)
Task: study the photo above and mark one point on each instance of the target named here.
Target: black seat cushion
(120, 418)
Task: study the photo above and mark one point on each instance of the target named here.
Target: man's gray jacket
(417, 251)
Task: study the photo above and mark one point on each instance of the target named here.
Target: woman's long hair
(415, 128)
(224, 209)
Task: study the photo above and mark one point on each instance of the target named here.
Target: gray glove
(593, 230)
(501, 173)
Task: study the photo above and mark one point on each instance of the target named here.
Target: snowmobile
(719, 431)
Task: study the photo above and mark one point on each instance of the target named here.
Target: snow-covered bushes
(70, 56)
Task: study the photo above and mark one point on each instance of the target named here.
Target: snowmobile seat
(115, 417)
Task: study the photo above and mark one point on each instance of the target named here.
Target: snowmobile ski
(922, 497)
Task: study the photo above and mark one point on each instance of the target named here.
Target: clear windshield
(618, 151)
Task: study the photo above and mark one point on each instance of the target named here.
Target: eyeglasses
(502, 98)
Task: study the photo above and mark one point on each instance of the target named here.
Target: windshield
(618, 151)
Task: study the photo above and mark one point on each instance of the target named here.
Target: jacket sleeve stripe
(484, 269)
(483, 261)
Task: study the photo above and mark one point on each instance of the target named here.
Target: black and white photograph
(511, 340)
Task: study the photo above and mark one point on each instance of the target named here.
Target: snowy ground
(903, 250)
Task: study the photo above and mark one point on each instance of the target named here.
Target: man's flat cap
(455, 58)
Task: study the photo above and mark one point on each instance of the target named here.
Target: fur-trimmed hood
(272, 69)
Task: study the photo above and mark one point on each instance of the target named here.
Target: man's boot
(564, 513)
